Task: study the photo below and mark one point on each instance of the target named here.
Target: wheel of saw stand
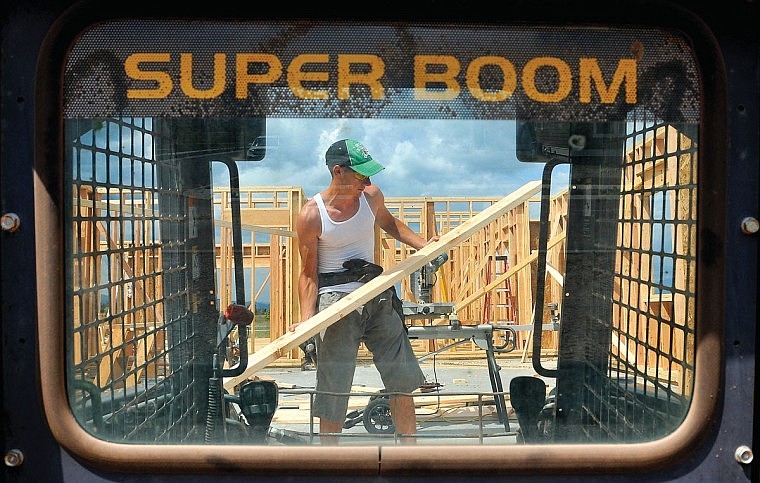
(377, 416)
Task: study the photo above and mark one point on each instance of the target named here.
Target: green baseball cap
(352, 154)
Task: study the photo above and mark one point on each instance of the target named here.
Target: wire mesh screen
(654, 308)
(129, 323)
(638, 337)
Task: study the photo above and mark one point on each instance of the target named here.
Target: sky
(422, 157)
(440, 158)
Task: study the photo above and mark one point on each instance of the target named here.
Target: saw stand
(481, 335)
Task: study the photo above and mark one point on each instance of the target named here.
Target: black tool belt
(356, 270)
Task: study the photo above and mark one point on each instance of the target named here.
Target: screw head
(577, 142)
(750, 225)
(744, 455)
(14, 457)
(10, 222)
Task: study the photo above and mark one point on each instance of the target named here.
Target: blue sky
(422, 157)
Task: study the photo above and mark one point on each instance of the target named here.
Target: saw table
(481, 335)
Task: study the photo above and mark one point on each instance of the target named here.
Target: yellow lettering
(244, 78)
(564, 77)
(370, 78)
(296, 76)
(626, 71)
(436, 77)
(164, 81)
(473, 78)
(422, 77)
(186, 77)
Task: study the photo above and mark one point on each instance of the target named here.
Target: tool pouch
(356, 270)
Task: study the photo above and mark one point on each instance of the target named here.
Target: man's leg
(336, 363)
(404, 417)
(325, 428)
(395, 360)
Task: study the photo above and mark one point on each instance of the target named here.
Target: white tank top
(344, 240)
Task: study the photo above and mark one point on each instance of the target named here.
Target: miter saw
(422, 282)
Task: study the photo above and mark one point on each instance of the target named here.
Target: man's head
(352, 154)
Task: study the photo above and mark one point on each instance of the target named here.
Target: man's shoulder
(374, 197)
(373, 192)
(310, 203)
(309, 213)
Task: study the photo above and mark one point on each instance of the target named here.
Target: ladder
(500, 311)
(504, 297)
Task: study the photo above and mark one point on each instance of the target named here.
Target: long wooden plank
(314, 325)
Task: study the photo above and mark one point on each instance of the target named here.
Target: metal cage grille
(646, 387)
(129, 322)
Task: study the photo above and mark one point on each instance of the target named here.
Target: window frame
(50, 216)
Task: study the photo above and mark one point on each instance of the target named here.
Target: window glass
(557, 166)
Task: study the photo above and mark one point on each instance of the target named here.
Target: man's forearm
(405, 235)
(307, 295)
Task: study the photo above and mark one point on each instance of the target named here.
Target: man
(335, 226)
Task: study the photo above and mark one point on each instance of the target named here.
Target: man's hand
(432, 239)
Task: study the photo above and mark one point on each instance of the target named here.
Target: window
(558, 164)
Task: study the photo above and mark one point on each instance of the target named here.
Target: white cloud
(422, 157)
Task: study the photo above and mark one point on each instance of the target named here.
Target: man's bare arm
(392, 225)
(308, 228)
